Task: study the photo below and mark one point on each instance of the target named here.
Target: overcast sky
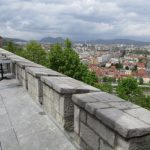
(78, 19)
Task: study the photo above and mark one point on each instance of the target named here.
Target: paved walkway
(23, 125)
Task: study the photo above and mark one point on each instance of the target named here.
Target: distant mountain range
(14, 40)
(53, 40)
(118, 41)
(98, 41)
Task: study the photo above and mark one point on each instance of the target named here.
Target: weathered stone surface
(67, 85)
(38, 72)
(68, 105)
(94, 97)
(141, 143)
(76, 119)
(89, 137)
(123, 105)
(121, 144)
(105, 146)
(123, 123)
(92, 107)
(27, 126)
(105, 97)
(83, 116)
(9, 140)
(46, 90)
(4, 123)
(102, 130)
(82, 99)
(27, 64)
(83, 145)
(140, 113)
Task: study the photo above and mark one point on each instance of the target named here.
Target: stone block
(140, 113)
(123, 105)
(82, 99)
(124, 124)
(83, 116)
(67, 85)
(102, 130)
(94, 97)
(121, 144)
(106, 97)
(83, 145)
(105, 146)
(46, 89)
(76, 119)
(68, 123)
(141, 143)
(68, 106)
(38, 72)
(92, 107)
(89, 137)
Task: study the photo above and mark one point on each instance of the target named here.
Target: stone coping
(37, 72)
(5, 53)
(126, 118)
(67, 85)
(15, 57)
(24, 64)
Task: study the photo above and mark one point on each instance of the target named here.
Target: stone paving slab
(24, 125)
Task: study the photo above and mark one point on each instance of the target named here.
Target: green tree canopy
(10, 46)
(141, 81)
(128, 89)
(35, 53)
(67, 61)
(106, 87)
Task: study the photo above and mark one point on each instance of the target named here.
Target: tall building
(1, 41)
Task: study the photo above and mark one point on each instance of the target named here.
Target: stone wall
(106, 122)
(34, 83)
(57, 94)
(98, 120)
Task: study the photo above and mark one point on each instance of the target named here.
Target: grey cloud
(80, 19)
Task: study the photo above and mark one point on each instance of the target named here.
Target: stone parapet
(57, 93)
(21, 74)
(34, 83)
(100, 121)
(111, 122)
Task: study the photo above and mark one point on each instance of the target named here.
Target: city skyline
(78, 20)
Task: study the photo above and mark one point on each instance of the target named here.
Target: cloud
(80, 19)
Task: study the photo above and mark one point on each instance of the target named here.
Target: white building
(104, 58)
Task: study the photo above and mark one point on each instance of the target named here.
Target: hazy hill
(98, 41)
(14, 40)
(52, 40)
(118, 41)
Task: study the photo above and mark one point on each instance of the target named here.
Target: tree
(67, 61)
(134, 68)
(10, 46)
(119, 65)
(36, 53)
(128, 89)
(141, 81)
(106, 87)
(127, 68)
(104, 79)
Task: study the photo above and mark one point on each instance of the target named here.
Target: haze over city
(78, 20)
